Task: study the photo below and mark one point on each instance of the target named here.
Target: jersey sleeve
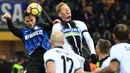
(16, 31)
(78, 64)
(81, 25)
(89, 42)
(86, 35)
(49, 56)
(55, 27)
(115, 54)
(84, 31)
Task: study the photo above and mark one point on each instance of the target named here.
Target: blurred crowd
(102, 16)
(6, 63)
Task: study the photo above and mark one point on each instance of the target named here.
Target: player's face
(65, 12)
(97, 50)
(30, 21)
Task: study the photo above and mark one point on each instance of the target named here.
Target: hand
(56, 21)
(98, 69)
(7, 16)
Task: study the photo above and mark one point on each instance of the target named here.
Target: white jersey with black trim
(65, 62)
(105, 62)
(73, 31)
(121, 53)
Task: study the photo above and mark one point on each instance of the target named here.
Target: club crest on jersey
(35, 28)
(71, 31)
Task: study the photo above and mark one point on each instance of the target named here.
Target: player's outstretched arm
(16, 31)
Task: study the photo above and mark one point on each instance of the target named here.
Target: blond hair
(58, 7)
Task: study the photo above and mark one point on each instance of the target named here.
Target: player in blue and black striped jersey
(35, 39)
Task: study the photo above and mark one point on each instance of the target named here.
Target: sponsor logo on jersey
(71, 31)
(35, 28)
(39, 32)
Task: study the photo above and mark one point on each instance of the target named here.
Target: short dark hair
(25, 14)
(104, 46)
(121, 32)
(28, 14)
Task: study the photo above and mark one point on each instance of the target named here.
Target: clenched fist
(7, 16)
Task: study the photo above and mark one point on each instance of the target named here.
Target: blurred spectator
(2, 63)
(15, 59)
(76, 9)
(25, 58)
(17, 67)
(96, 36)
(90, 19)
(5, 66)
(103, 15)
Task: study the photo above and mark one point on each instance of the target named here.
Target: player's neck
(121, 41)
(66, 19)
(124, 41)
(102, 56)
(55, 45)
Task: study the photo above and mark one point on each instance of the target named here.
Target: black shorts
(36, 62)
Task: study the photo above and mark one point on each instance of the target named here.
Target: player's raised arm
(16, 31)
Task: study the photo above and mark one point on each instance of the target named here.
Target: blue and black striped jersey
(35, 37)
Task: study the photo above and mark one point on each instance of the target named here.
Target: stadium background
(100, 17)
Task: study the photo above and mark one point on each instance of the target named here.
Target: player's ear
(129, 36)
(114, 37)
(50, 41)
(63, 42)
(97, 50)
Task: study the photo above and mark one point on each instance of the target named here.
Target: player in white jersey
(59, 60)
(120, 52)
(74, 31)
(103, 52)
